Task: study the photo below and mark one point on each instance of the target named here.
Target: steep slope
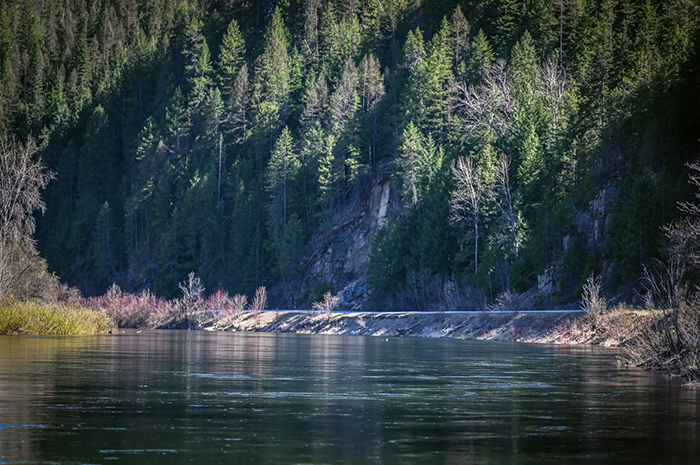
(255, 143)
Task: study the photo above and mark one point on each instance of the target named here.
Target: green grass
(63, 320)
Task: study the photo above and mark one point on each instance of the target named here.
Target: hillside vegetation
(223, 137)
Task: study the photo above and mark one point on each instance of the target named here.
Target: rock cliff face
(592, 224)
(592, 229)
(338, 259)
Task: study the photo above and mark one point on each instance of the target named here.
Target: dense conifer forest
(223, 137)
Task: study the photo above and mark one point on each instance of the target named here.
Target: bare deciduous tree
(468, 197)
(22, 178)
(502, 196)
(192, 290)
(683, 237)
(329, 303)
(260, 300)
(591, 299)
(491, 103)
(552, 87)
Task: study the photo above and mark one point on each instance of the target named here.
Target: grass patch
(61, 320)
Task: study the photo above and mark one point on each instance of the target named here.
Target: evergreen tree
(524, 66)
(438, 87)
(311, 156)
(419, 161)
(371, 84)
(178, 122)
(236, 113)
(231, 59)
(273, 71)
(459, 29)
(327, 175)
(481, 58)
(415, 64)
(81, 76)
(284, 223)
(281, 173)
(540, 19)
(212, 120)
(506, 24)
(310, 47)
(340, 40)
(198, 68)
(5, 45)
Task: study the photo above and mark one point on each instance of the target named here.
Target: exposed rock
(340, 257)
(593, 222)
(547, 282)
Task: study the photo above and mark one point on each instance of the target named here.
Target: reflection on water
(177, 396)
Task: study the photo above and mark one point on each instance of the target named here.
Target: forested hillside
(222, 137)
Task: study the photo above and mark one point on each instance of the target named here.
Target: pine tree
(524, 68)
(459, 31)
(371, 85)
(310, 156)
(418, 163)
(273, 71)
(281, 172)
(198, 68)
(212, 120)
(178, 123)
(327, 175)
(438, 87)
(231, 59)
(646, 59)
(532, 167)
(32, 63)
(236, 113)
(506, 24)
(340, 39)
(481, 58)
(415, 64)
(80, 76)
(311, 34)
(602, 72)
(541, 20)
(6, 52)
(56, 101)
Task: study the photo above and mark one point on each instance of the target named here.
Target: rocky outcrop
(592, 224)
(339, 259)
(592, 229)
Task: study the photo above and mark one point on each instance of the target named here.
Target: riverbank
(564, 327)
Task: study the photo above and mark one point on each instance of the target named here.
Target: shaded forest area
(221, 137)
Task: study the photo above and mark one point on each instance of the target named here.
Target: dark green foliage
(219, 137)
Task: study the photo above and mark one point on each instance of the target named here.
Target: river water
(202, 397)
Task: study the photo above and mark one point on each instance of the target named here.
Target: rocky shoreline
(540, 327)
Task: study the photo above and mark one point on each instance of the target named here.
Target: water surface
(200, 397)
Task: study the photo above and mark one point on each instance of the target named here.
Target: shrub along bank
(62, 320)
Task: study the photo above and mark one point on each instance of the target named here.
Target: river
(255, 398)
